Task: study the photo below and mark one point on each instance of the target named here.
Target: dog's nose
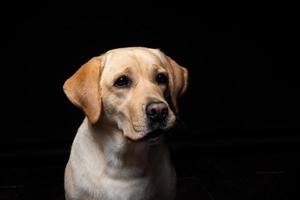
(157, 111)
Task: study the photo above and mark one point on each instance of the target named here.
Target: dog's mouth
(153, 137)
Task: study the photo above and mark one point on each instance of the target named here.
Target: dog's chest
(134, 189)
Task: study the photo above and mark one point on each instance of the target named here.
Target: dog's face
(134, 88)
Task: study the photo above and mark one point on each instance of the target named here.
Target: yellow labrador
(129, 97)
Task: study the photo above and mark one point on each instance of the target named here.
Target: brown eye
(161, 78)
(122, 82)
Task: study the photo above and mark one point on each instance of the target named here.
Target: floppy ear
(178, 81)
(83, 89)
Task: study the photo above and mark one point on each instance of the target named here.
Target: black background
(242, 99)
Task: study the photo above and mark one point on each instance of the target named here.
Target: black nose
(157, 111)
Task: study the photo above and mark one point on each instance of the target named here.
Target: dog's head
(136, 89)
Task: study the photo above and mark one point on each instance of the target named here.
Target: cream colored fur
(109, 160)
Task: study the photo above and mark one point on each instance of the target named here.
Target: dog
(129, 97)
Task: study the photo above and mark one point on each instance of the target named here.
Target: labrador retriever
(129, 97)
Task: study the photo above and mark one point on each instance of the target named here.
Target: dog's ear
(178, 81)
(83, 88)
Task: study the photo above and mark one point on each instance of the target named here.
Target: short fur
(109, 159)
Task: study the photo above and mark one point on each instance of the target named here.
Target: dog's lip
(153, 137)
(153, 134)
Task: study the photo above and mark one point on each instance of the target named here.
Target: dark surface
(239, 130)
(204, 172)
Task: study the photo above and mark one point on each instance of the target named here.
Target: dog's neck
(123, 157)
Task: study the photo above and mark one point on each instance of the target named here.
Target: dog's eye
(161, 78)
(122, 82)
